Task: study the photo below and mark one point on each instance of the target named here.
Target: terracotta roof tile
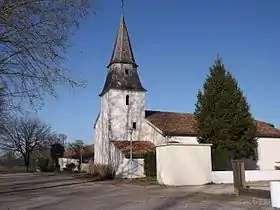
(267, 130)
(172, 123)
(138, 147)
(88, 150)
(182, 124)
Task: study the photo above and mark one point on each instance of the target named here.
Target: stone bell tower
(123, 96)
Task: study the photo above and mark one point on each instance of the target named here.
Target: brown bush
(101, 172)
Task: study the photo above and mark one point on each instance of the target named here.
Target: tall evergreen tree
(223, 115)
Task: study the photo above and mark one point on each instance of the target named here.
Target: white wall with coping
(65, 161)
(268, 150)
(184, 164)
(124, 170)
(101, 144)
(268, 153)
(226, 177)
(184, 139)
(122, 164)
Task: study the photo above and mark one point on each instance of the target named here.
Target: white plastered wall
(122, 164)
(268, 153)
(184, 164)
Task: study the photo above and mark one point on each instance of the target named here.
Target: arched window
(126, 71)
(127, 99)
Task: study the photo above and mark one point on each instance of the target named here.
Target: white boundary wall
(184, 164)
(226, 177)
(122, 164)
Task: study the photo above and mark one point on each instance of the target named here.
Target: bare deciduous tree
(25, 136)
(34, 37)
(76, 147)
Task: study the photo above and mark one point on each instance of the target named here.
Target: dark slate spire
(122, 73)
(122, 52)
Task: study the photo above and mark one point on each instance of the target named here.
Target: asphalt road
(38, 191)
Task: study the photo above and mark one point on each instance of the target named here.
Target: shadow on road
(25, 183)
(43, 187)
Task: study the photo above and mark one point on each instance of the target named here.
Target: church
(123, 116)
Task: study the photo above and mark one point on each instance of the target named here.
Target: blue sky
(174, 44)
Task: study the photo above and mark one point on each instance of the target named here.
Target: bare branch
(76, 147)
(34, 37)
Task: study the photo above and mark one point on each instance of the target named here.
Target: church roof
(138, 147)
(122, 77)
(122, 52)
(182, 124)
(117, 79)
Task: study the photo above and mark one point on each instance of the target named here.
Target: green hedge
(221, 160)
(138, 156)
(150, 164)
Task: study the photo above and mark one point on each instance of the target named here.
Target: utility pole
(81, 151)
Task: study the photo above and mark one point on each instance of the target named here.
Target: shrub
(70, 167)
(42, 164)
(45, 164)
(101, 172)
(135, 156)
(150, 164)
(220, 160)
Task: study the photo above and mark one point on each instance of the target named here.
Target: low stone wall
(124, 169)
(226, 177)
(65, 161)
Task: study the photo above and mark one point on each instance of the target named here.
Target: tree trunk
(56, 164)
(26, 163)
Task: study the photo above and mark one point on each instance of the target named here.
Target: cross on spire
(122, 5)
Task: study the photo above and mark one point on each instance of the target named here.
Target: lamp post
(130, 152)
(81, 158)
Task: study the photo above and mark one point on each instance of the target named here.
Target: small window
(134, 125)
(126, 71)
(127, 100)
